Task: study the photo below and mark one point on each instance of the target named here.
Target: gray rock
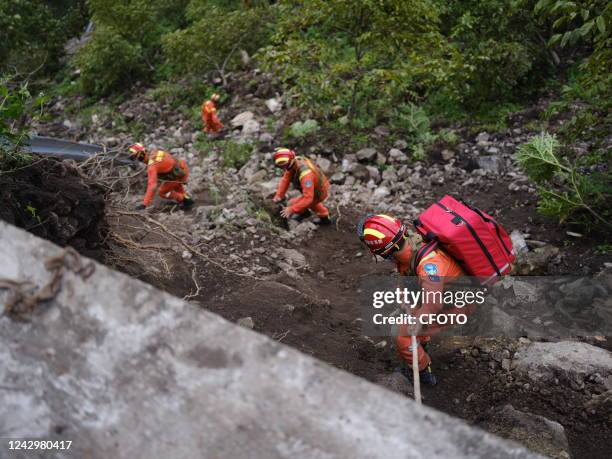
(389, 175)
(397, 156)
(396, 382)
(374, 173)
(400, 144)
(493, 150)
(258, 176)
(366, 154)
(569, 361)
(266, 137)
(536, 261)
(447, 155)
(602, 404)
(265, 189)
(360, 172)
(489, 163)
(292, 256)
(303, 230)
(382, 131)
(274, 105)
(381, 193)
(537, 433)
(482, 137)
(338, 178)
(246, 322)
(240, 119)
(250, 128)
(325, 165)
(518, 242)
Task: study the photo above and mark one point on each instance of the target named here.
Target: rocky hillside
(297, 283)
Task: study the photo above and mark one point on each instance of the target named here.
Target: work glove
(140, 207)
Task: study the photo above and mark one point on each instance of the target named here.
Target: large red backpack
(473, 238)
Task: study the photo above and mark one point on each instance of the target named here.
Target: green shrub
(212, 41)
(16, 106)
(109, 62)
(301, 130)
(568, 191)
(358, 60)
(33, 33)
(126, 43)
(590, 23)
(498, 52)
(235, 154)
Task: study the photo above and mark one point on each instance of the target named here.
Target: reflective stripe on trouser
(404, 349)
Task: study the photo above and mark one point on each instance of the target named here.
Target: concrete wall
(126, 371)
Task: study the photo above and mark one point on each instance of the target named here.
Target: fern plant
(565, 191)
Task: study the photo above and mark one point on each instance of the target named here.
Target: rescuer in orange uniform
(212, 124)
(165, 167)
(307, 177)
(388, 237)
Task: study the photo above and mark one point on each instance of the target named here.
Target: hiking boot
(427, 377)
(321, 221)
(187, 202)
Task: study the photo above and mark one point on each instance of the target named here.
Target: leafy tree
(587, 22)
(567, 191)
(216, 33)
(357, 59)
(126, 44)
(31, 36)
(500, 48)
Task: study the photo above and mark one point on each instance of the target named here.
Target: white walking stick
(415, 371)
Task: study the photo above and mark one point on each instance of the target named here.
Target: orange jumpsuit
(210, 119)
(310, 180)
(433, 271)
(173, 173)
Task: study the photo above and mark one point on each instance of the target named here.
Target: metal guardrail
(40, 145)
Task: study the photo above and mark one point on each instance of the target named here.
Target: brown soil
(319, 315)
(49, 199)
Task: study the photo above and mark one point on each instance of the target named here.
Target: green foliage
(126, 43)
(589, 23)
(356, 59)
(301, 130)
(33, 33)
(16, 104)
(109, 62)
(235, 154)
(567, 191)
(497, 48)
(232, 154)
(214, 36)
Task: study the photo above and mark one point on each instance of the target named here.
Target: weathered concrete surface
(126, 371)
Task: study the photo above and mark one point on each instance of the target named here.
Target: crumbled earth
(298, 284)
(50, 199)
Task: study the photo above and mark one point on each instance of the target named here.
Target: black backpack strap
(423, 252)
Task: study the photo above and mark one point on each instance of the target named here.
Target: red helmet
(382, 234)
(138, 151)
(284, 158)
